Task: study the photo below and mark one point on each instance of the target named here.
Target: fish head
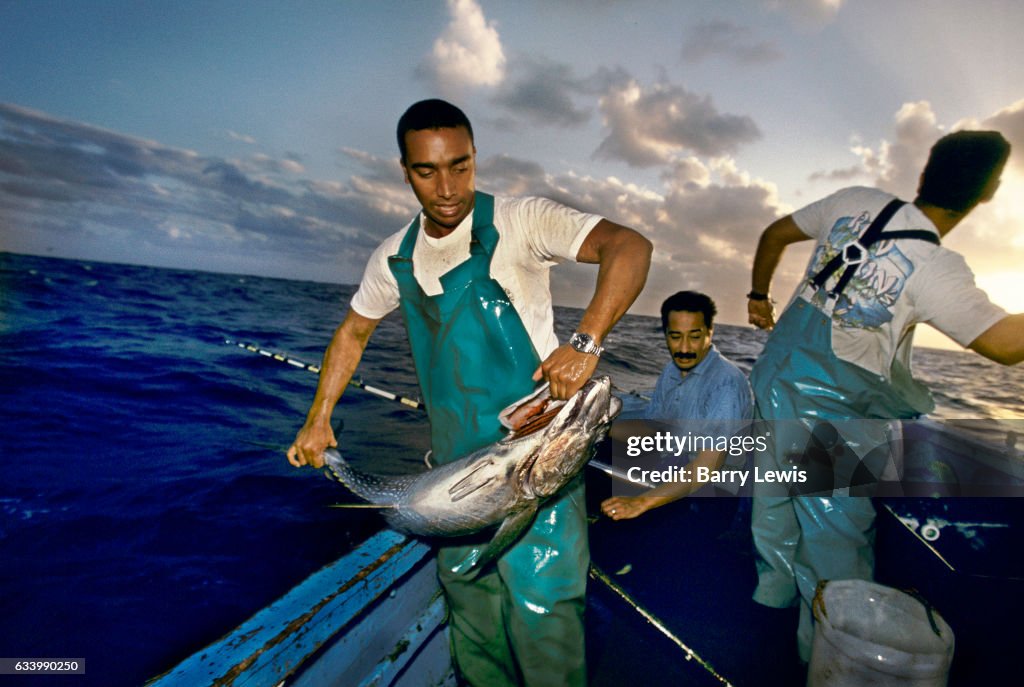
(567, 443)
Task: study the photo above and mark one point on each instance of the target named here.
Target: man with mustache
(699, 390)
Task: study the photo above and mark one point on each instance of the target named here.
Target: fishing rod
(613, 472)
(358, 383)
(610, 470)
(691, 655)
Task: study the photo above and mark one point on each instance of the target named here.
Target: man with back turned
(470, 275)
(841, 351)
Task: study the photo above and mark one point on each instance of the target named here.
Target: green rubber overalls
(800, 385)
(519, 621)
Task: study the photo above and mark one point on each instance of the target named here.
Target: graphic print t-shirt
(899, 283)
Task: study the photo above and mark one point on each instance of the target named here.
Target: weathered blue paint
(278, 640)
(402, 631)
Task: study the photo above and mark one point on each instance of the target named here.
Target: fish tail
(373, 488)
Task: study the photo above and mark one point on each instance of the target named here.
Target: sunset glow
(187, 134)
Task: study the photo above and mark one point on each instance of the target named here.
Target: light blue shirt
(714, 390)
(713, 399)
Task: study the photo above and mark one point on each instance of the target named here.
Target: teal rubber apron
(805, 391)
(519, 621)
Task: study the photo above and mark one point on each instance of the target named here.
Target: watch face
(582, 342)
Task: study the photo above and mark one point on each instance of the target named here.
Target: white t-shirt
(903, 282)
(534, 234)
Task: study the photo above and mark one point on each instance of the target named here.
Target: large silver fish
(504, 482)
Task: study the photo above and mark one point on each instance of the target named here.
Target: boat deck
(669, 602)
(691, 565)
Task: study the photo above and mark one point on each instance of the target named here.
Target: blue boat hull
(374, 617)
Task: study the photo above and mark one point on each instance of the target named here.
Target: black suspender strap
(853, 254)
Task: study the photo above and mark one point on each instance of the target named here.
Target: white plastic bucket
(869, 634)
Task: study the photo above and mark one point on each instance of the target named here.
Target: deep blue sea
(146, 507)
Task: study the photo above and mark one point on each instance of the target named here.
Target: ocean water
(146, 507)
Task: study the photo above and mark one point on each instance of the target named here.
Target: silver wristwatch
(584, 343)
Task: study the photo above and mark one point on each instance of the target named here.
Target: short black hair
(959, 168)
(689, 301)
(430, 114)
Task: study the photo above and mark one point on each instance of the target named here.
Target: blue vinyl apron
(519, 621)
(801, 387)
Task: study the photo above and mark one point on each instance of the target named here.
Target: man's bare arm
(1003, 342)
(770, 247)
(627, 507)
(340, 362)
(624, 257)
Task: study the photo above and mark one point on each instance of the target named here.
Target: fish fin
(509, 531)
(474, 481)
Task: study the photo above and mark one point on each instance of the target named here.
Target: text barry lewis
(705, 475)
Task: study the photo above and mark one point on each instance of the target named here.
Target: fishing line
(358, 383)
(632, 392)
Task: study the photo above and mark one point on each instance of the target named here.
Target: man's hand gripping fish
(504, 482)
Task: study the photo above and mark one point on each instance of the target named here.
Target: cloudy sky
(258, 137)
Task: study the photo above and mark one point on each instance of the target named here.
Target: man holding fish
(470, 275)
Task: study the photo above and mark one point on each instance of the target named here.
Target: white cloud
(916, 130)
(72, 187)
(652, 126)
(704, 226)
(1010, 121)
(896, 164)
(689, 173)
(543, 92)
(68, 182)
(698, 220)
(993, 236)
(272, 165)
(79, 186)
(469, 52)
(241, 138)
